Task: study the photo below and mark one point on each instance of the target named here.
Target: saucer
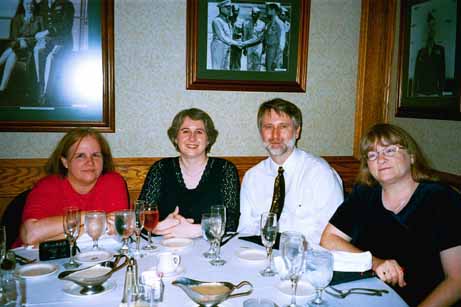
(74, 289)
(179, 270)
(222, 304)
(92, 257)
(304, 288)
(252, 256)
(176, 244)
(36, 270)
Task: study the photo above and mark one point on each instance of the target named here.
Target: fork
(366, 291)
(23, 260)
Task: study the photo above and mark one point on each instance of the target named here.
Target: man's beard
(283, 149)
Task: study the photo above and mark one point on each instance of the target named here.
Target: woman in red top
(80, 174)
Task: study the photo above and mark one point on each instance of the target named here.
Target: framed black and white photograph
(56, 65)
(430, 59)
(247, 45)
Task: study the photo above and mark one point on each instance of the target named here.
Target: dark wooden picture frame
(200, 76)
(430, 59)
(82, 94)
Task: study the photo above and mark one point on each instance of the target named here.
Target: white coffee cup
(168, 262)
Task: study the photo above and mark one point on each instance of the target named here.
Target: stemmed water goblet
(217, 229)
(71, 225)
(151, 216)
(95, 225)
(139, 225)
(205, 223)
(319, 270)
(124, 226)
(269, 228)
(292, 246)
(2, 243)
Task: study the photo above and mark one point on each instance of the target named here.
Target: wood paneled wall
(17, 175)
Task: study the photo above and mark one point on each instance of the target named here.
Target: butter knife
(227, 239)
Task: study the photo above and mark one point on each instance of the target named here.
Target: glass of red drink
(151, 216)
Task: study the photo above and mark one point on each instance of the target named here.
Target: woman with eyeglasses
(404, 217)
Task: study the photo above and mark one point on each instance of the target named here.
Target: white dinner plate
(179, 270)
(176, 244)
(93, 256)
(304, 288)
(74, 289)
(252, 256)
(37, 270)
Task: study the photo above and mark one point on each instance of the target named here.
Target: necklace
(402, 203)
(192, 177)
(192, 171)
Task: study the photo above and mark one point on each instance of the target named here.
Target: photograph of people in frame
(40, 41)
(246, 36)
(432, 49)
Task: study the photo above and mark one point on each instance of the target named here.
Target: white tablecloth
(48, 291)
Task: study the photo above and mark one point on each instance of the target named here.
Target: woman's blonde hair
(54, 164)
(387, 134)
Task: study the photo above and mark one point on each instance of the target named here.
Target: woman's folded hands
(175, 225)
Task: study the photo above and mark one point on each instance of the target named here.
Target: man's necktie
(278, 199)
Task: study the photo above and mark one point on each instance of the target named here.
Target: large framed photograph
(56, 65)
(430, 59)
(247, 45)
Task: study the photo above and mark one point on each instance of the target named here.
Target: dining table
(50, 291)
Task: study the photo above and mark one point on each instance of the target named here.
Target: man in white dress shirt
(313, 190)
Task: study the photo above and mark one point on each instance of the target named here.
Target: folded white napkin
(351, 262)
(105, 241)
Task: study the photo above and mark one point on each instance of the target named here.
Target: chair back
(12, 217)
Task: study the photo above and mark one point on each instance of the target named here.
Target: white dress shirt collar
(289, 166)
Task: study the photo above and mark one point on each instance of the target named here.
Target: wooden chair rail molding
(17, 175)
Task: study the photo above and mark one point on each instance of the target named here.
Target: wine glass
(71, 224)
(269, 228)
(151, 216)
(292, 250)
(139, 225)
(124, 226)
(217, 229)
(319, 270)
(205, 223)
(95, 225)
(2, 243)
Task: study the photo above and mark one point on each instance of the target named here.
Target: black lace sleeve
(231, 195)
(152, 184)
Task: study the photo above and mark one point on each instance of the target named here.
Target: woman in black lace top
(186, 186)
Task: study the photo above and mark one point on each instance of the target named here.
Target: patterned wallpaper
(150, 86)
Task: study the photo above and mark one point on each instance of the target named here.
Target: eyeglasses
(389, 151)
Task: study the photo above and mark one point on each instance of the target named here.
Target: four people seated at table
(80, 174)
(397, 210)
(313, 190)
(406, 219)
(188, 185)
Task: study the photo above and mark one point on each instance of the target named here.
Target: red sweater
(52, 194)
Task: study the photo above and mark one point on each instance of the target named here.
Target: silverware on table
(228, 237)
(365, 291)
(23, 260)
